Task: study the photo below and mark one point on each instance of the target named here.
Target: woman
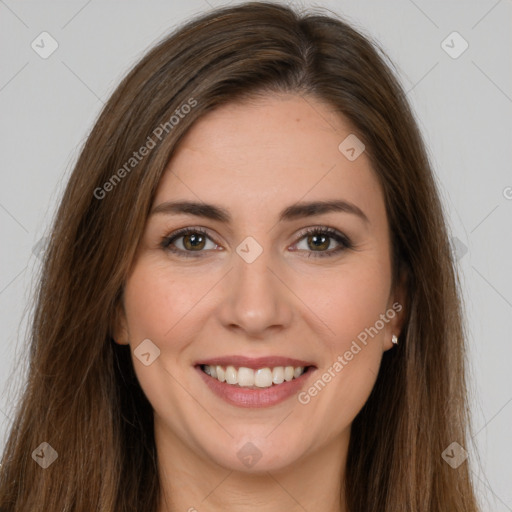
(248, 301)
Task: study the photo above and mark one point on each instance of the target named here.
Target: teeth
(278, 375)
(245, 377)
(249, 378)
(263, 378)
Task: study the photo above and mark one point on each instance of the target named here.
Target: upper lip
(254, 363)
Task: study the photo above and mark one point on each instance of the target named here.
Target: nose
(256, 299)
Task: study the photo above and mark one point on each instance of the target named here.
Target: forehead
(262, 154)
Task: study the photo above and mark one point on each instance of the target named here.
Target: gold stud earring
(394, 339)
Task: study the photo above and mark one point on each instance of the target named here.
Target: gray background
(464, 109)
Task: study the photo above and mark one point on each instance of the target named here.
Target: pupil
(194, 239)
(316, 238)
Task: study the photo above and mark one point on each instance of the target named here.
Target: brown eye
(318, 240)
(192, 241)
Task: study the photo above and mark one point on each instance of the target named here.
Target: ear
(396, 311)
(119, 328)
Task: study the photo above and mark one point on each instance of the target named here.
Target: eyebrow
(292, 212)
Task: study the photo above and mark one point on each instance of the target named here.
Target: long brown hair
(82, 396)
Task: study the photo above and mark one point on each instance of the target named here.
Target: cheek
(156, 300)
(351, 308)
(156, 304)
(351, 299)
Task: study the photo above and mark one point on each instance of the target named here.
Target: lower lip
(264, 397)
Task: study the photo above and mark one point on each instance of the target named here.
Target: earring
(394, 339)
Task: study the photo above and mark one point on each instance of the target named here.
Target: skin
(254, 159)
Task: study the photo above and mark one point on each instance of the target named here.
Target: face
(311, 285)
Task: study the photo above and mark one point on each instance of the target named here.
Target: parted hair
(81, 394)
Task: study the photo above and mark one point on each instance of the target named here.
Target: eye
(194, 240)
(320, 238)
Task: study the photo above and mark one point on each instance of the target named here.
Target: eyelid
(320, 228)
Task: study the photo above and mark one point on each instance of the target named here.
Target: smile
(253, 378)
(251, 388)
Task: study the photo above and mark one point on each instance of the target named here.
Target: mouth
(254, 378)
(257, 386)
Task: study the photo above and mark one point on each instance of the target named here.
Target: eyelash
(344, 241)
